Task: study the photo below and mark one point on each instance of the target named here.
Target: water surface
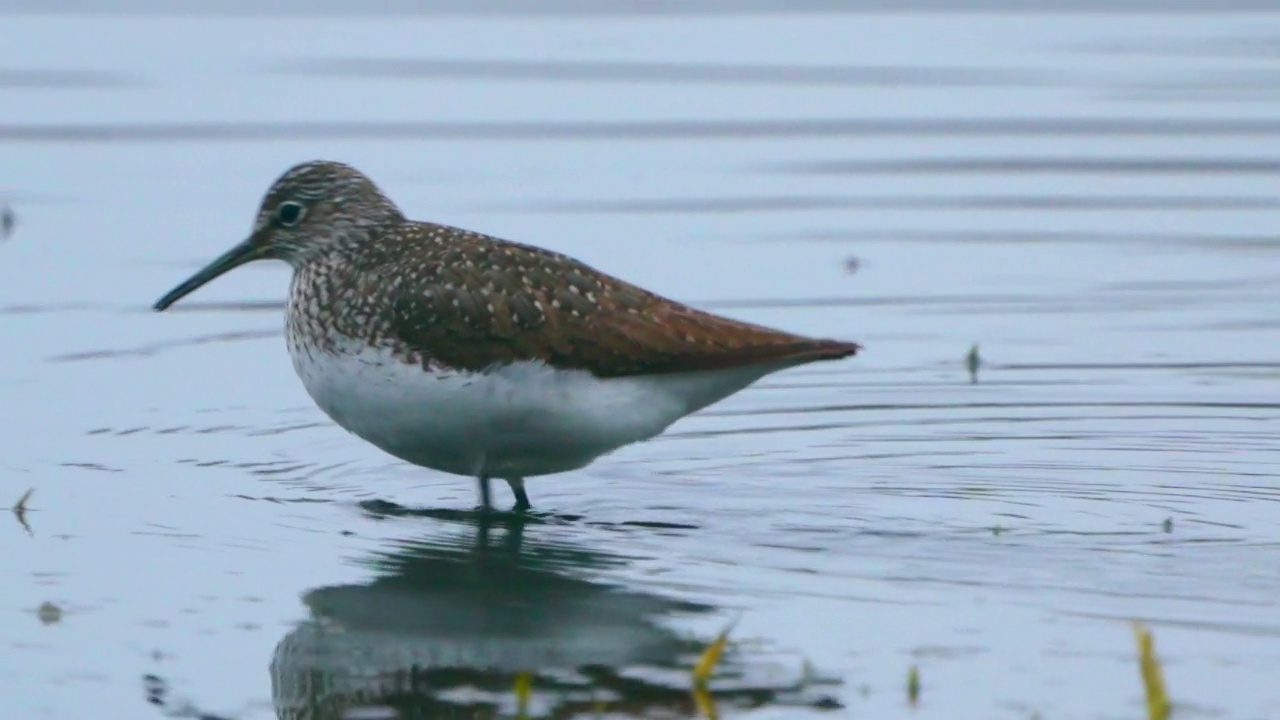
(1090, 197)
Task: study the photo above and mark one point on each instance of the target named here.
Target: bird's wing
(487, 301)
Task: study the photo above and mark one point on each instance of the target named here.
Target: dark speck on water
(1084, 192)
(972, 362)
(7, 222)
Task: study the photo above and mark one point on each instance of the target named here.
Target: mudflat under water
(1092, 198)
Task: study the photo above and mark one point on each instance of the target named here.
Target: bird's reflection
(446, 630)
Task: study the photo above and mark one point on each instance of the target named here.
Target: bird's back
(434, 294)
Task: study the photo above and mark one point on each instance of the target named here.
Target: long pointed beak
(246, 251)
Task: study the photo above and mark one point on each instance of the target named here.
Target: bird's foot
(522, 497)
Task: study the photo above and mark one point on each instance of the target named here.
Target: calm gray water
(1091, 197)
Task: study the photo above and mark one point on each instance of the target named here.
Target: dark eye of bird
(289, 213)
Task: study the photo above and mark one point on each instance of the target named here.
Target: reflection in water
(446, 627)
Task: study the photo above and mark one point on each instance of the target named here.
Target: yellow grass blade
(707, 663)
(524, 688)
(706, 705)
(1158, 705)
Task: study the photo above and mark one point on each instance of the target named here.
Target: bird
(477, 356)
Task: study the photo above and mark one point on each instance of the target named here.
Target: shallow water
(1091, 197)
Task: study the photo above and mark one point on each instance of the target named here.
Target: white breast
(517, 420)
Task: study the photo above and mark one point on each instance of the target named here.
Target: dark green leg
(522, 498)
(485, 498)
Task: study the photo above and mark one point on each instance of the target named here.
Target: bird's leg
(522, 498)
(486, 505)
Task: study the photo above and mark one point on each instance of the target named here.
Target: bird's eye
(290, 213)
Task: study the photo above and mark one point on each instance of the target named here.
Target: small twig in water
(20, 510)
(913, 686)
(973, 361)
(7, 221)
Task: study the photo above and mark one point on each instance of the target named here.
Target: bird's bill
(247, 251)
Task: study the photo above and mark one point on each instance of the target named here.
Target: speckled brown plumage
(438, 295)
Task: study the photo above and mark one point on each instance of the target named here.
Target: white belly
(518, 420)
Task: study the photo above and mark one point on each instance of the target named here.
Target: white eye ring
(290, 213)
